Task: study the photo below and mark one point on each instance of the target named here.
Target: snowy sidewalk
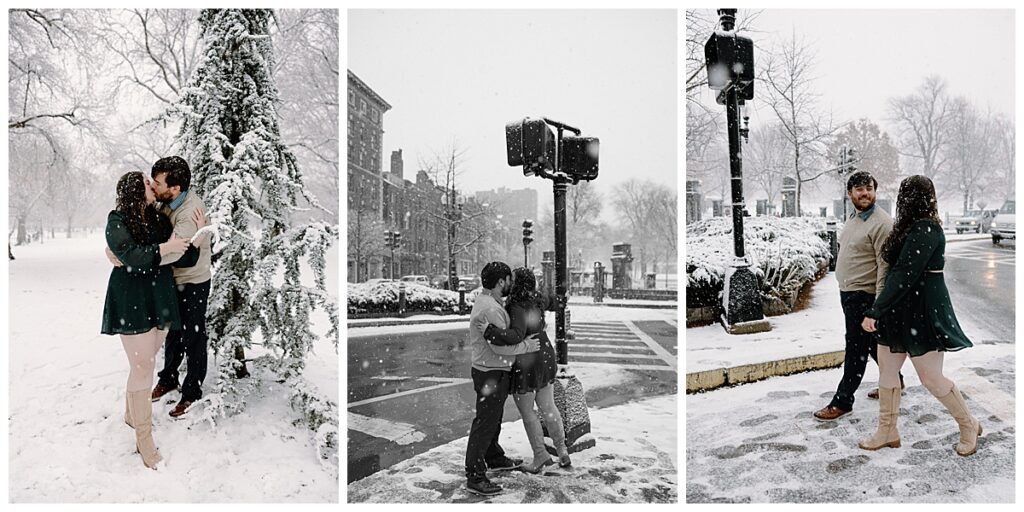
(760, 443)
(67, 439)
(812, 338)
(634, 462)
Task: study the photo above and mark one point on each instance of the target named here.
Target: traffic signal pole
(561, 346)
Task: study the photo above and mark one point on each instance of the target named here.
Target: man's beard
(165, 198)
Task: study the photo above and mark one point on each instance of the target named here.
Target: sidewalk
(759, 443)
(810, 339)
(634, 461)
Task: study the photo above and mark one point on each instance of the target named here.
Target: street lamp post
(730, 67)
(563, 160)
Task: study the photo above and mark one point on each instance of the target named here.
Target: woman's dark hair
(131, 204)
(524, 286)
(916, 201)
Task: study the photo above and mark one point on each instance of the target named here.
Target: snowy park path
(68, 442)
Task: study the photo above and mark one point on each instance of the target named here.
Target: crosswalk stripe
(595, 364)
(655, 346)
(447, 383)
(394, 431)
(630, 347)
(617, 356)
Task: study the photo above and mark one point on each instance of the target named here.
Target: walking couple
(897, 305)
(511, 353)
(158, 290)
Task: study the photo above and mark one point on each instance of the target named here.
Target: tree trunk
(22, 231)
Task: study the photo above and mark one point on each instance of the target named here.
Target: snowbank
(785, 253)
(383, 297)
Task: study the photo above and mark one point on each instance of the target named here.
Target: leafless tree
(971, 145)
(462, 226)
(644, 206)
(766, 159)
(874, 153)
(365, 236)
(1005, 135)
(921, 120)
(787, 78)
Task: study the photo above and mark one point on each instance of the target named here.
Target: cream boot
(970, 427)
(127, 411)
(141, 409)
(888, 410)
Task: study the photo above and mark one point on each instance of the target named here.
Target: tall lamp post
(730, 66)
(563, 159)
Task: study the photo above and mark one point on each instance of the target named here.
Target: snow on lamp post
(730, 66)
(563, 159)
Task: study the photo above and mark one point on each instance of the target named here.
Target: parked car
(1004, 225)
(378, 280)
(471, 282)
(416, 279)
(978, 221)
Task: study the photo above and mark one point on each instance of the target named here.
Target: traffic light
(396, 239)
(730, 61)
(531, 144)
(389, 239)
(579, 157)
(851, 157)
(527, 231)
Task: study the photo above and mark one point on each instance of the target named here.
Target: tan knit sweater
(859, 266)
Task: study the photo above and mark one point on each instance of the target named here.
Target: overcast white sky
(866, 56)
(462, 74)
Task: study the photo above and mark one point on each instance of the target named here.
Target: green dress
(141, 294)
(913, 312)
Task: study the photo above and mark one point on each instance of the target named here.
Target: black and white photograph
(512, 282)
(850, 256)
(173, 255)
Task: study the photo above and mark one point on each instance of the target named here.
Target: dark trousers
(189, 343)
(491, 391)
(859, 345)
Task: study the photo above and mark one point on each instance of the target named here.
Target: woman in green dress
(914, 317)
(141, 301)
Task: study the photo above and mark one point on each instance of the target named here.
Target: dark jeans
(491, 391)
(859, 345)
(189, 343)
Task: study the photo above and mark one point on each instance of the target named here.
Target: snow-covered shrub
(383, 298)
(784, 253)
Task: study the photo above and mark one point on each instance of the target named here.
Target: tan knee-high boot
(888, 411)
(127, 411)
(970, 427)
(141, 409)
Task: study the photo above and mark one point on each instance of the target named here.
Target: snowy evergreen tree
(251, 185)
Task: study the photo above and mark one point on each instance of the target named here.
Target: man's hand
(868, 324)
(113, 259)
(532, 343)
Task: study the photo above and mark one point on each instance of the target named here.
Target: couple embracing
(158, 290)
(511, 354)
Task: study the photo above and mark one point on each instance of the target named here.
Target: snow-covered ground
(817, 329)
(634, 461)
(67, 441)
(759, 443)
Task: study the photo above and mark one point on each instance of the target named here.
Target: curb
(389, 323)
(708, 380)
(613, 305)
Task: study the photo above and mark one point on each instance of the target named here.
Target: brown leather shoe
(180, 409)
(873, 394)
(161, 390)
(830, 413)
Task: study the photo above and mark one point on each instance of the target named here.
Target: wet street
(409, 389)
(980, 278)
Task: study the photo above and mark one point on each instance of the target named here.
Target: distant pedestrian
(860, 271)
(914, 316)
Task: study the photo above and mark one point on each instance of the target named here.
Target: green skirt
(923, 321)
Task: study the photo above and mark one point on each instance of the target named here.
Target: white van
(1004, 226)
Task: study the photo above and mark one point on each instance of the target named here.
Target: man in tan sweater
(861, 273)
(171, 180)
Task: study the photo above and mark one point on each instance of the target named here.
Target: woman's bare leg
(929, 369)
(534, 430)
(889, 365)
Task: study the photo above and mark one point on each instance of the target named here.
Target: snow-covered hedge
(785, 253)
(383, 298)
